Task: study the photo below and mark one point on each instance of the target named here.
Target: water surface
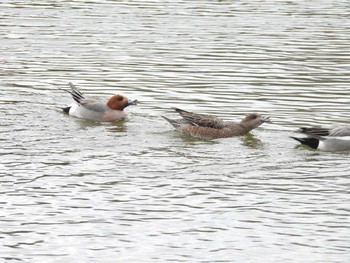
(136, 190)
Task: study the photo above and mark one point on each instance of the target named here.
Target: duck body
(97, 112)
(210, 127)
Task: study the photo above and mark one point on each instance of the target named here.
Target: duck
(96, 108)
(329, 139)
(205, 126)
(326, 144)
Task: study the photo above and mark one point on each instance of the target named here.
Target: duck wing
(201, 120)
(93, 104)
(88, 102)
(338, 130)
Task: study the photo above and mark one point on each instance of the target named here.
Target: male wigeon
(97, 109)
(210, 127)
(334, 138)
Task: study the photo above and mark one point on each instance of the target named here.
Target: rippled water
(136, 190)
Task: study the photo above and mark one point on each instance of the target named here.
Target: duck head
(254, 120)
(120, 102)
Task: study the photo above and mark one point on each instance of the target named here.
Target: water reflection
(252, 141)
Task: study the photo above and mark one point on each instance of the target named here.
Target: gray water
(74, 190)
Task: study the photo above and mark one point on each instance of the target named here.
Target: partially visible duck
(210, 127)
(95, 108)
(331, 139)
(329, 144)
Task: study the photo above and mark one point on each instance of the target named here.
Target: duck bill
(132, 102)
(266, 119)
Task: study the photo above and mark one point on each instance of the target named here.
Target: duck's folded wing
(338, 130)
(93, 104)
(210, 122)
(201, 120)
(315, 131)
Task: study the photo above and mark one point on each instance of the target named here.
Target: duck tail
(180, 111)
(66, 109)
(174, 123)
(309, 141)
(75, 92)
